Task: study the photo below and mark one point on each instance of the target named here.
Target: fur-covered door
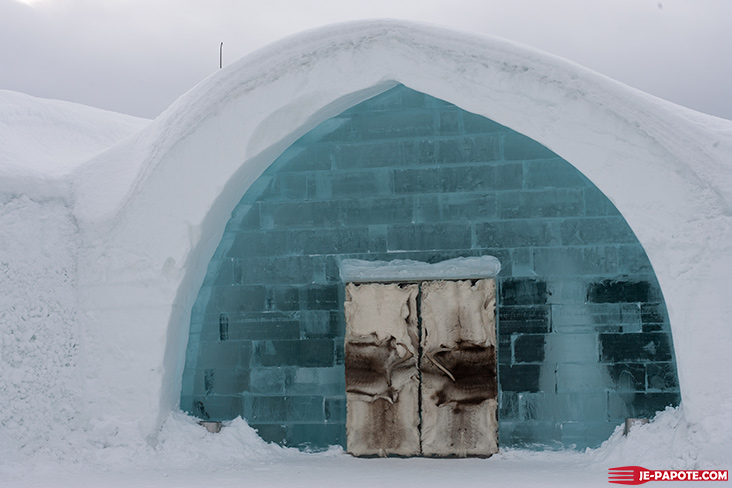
(435, 397)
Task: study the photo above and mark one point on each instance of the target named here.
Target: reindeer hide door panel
(459, 387)
(437, 396)
(382, 376)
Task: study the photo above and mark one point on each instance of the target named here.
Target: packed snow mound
(41, 385)
(48, 138)
(657, 444)
(41, 142)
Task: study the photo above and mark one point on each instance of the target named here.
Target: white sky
(138, 56)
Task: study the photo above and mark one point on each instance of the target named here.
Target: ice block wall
(583, 334)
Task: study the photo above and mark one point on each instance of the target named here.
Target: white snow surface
(102, 253)
(47, 139)
(360, 270)
(185, 455)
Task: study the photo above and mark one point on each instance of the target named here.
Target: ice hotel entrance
(582, 337)
(420, 357)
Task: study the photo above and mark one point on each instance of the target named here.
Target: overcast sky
(138, 56)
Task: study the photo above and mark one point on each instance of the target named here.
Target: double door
(421, 368)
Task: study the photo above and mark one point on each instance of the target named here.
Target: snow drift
(41, 344)
(46, 139)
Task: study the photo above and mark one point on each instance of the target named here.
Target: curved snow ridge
(531, 92)
(43, 140)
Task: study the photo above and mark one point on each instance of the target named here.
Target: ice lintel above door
(406, 270)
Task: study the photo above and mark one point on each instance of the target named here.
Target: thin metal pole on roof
(221, 55)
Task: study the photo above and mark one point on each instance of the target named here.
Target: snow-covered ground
(185, 455)
(72, 383)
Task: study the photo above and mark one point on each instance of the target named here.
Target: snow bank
(42, 346)
(46, 139)
(669, 442)
(106, 362)
(186, 455)
(41, 385)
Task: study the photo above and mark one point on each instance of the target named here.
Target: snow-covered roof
(284, 89)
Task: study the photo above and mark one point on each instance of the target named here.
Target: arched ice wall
(153, 211)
